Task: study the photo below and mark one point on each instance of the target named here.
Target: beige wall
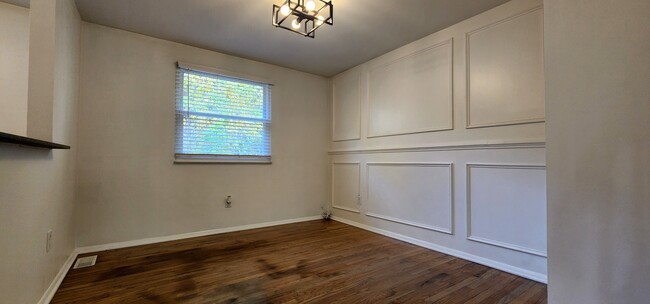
(42, 62)
(597, 104)
(128, 187)
(14, 60)
(37, 185)
(441, 142)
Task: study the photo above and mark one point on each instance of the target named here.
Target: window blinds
(221, 118)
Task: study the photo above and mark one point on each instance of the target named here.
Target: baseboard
(535, 276)
(58, 279)
(54, 286)
(147, 241)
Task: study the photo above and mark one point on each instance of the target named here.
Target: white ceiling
(362, 30)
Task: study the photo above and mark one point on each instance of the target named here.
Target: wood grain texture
(309, 262)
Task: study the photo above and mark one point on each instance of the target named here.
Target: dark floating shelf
(31, 142)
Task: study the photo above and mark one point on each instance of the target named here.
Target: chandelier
(303, 16)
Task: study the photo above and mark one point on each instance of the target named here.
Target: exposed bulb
(310, 5)
(295, 24)
(320, 20)
(285, 10)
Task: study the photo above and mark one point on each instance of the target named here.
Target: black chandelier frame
(307, 19)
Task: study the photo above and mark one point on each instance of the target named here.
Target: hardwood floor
(310, 262)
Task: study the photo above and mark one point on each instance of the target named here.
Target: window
(221, 118)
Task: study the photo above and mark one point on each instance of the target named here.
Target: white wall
(128, 187)
(37, 185)
(42, 65)
(14, 60)
(598, 87)
(442, 140)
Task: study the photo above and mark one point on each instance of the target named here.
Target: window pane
(219, 115)
(222, 96)
(208, 135)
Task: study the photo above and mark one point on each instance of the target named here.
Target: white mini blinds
(221, 118)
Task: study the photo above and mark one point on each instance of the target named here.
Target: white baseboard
(96, 248)
(58, 279)
(535, 276)
(54, 286)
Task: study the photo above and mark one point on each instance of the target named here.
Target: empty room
(324, 151)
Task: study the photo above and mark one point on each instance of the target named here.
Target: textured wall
(598, 104)
(36, 185)
(129, 188)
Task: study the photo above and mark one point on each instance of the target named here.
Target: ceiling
(362, 30)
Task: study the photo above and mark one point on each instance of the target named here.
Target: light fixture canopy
(303, 16)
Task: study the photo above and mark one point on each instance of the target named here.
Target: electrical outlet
(48, 242)
(228, 201)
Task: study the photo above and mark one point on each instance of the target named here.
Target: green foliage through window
(220, 115)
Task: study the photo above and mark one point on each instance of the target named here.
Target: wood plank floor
(310, 262)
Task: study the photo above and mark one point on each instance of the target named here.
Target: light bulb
(295, 24)
(310, 5)
(320, 20)
(285, 10)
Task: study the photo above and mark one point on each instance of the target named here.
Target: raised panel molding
(471, 235)
(442, 108)
(449, 204)
(526, 273)
(352, 105)
(438, 148)
(353, 196)
(524, 83)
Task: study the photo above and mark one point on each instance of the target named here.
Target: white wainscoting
(412, 94)
(542, 278)
(346, 107)
(506, 206)
(415, 194)
(483, 201)
(346, 186)
(415, 183)
(505, 71)
(438, 148)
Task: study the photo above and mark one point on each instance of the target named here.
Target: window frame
(180, 158)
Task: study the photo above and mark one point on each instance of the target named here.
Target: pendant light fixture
(303, 16)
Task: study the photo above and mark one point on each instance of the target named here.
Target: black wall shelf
(30, 142)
